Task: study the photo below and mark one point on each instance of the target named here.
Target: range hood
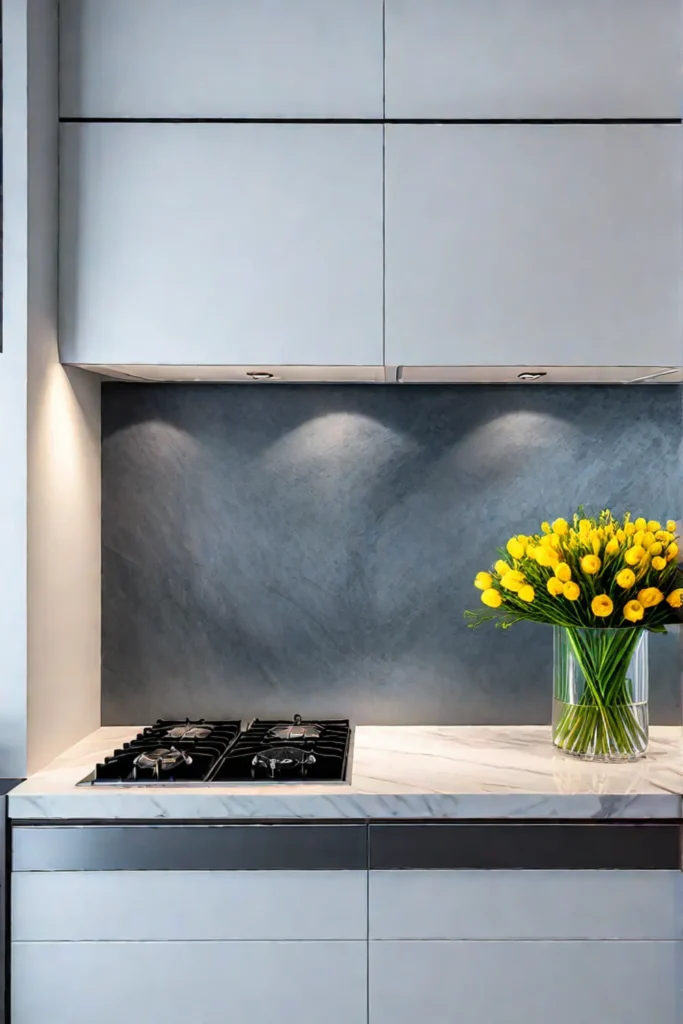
(259, 374)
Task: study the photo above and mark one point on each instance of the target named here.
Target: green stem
(603, 720)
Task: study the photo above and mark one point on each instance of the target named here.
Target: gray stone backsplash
(269, 549)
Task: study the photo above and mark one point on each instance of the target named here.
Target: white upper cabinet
(221, 58)
(221, 243)
(534, 244)
(487, 59)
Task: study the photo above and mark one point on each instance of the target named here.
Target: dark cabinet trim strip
(531, 846)
(190, 848)
(349, 846)
(370, 120)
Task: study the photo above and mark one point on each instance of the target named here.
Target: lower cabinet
(347, 946)
(525, 982)
(525, 947)
(102, 947)
(197, 982)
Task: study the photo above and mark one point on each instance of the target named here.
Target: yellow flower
(571, 591)
(671, 552)
(546, 557)
(515, 547)
(671, 525)
(513, 580)
(563, 572)
(492, 598)
(625, 579)
(621, 536)
(629, 529)
(612, 546)
(585, 526)
(597, 543)
(591, 564)
(648, 540)
(675, 598)
(545, 527)
(656, 548)
(501, 567)
(560, 527)
(526, 593)
(531, 551)
(653, 526)
(640, 523)
(664, 536)
(650, 597)
(634, 556)
(633, 611)
(555, 586)
(483, 580)
(638, 537)
(602, 606)
(658, 563)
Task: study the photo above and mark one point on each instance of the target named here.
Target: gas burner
(295, 732)
(162, 759)
(195, 752)
(281, 760)
(189, 731)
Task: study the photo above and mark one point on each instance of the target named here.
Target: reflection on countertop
(398, 772)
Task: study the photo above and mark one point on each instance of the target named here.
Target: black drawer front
(148, 847)
(535, 846)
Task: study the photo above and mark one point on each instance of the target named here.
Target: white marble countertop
(397, 772)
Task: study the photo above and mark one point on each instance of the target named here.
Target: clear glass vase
(600, 693)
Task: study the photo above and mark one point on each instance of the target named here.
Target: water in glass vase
(600, 709)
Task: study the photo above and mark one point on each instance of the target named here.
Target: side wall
(63, 454)
(13, 390)
(49, 433)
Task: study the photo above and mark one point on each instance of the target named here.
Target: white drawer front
(188, 905)
(526, 905)
(200, 982)
(525, 982)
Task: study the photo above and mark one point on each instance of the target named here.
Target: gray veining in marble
(281, 548)
(397, 772)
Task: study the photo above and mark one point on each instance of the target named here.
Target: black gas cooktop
(200, 752)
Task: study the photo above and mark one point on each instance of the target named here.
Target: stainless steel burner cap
(189, 732)
(295, 731)
(277, 760)
(162, 758)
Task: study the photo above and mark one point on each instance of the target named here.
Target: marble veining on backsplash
(397, 772)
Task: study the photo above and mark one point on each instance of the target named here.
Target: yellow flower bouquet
(603, 583)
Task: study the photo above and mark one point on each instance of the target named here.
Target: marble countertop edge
(398, 773)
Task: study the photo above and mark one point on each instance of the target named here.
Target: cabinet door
(533, 59)
(530, 982)
(121, 906)
(534, 244)
(526, 905)
(221, 243)
(221, 58)
(201, 982)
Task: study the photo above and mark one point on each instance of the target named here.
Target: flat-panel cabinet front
(529, 982)
(221, 58)
(221, 244)
(543, 244)
(197, 982)
(581, 59)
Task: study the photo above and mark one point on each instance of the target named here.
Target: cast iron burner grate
(200, 745)
(320, 755)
